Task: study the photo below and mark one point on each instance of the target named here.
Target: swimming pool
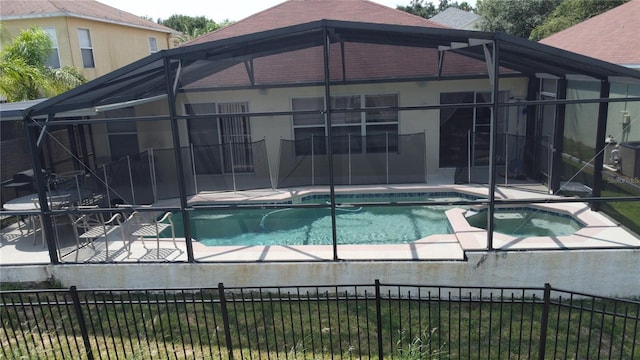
(312, 226)
(526, 221)
(363, 224)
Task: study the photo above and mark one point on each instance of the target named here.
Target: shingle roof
(26, 9)
(145, 78)
(294, 12)
(455, 18)
(613, 36)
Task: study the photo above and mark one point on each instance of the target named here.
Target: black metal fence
(311, 322)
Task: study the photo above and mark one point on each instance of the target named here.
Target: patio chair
(147, 225)
(34, 223)
(56, 202)
(92, 226)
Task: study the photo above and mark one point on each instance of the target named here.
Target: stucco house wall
(272, 129)
(114, 45)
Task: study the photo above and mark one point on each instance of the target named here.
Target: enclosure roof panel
(146, 77)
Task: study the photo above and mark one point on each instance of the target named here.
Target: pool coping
(598, 231)
(282, 196)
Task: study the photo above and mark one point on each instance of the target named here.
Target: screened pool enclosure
(257, 123)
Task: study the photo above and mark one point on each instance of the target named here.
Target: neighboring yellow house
(87, 34)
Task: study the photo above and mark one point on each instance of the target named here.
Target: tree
(23, 71)
(428, 9)
(191, 27)
(184, 23)
(569, 13)
(517, 18)
(419, 8)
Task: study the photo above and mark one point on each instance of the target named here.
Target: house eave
(84, 17)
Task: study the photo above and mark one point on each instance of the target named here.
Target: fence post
(469, 156)
(386, 141)
(312, 164)
(506, 158)
(264, 139)
(78, 190)
(193, 169)
(106, 184)
(349, 144)
(225, 320)
(83, 326)
(154, 180)
(133, 191)
(233, 167)
(544, 323)
(379, 319)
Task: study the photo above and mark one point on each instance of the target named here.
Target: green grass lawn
(315, 326)
(626, 213)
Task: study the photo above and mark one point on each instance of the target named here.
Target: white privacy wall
(598, 272)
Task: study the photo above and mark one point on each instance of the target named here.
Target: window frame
(361, 127)
(83, 49)
(239, 149)
(51, 31)
(153, 45)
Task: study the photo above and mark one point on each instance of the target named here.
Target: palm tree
(24, 74)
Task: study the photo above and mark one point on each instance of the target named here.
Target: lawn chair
(92, 226)
(149, 226)
(55, 202)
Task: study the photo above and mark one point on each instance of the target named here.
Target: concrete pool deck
(600, 232)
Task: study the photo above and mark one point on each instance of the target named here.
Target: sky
(216, 10)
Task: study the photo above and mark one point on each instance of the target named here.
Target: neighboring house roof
(294, 12)
(613, 36)
(85, 9)
(456, 18)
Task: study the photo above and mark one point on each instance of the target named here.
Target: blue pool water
(297, 226)
(360, 224)
(523, 222)
(305, 226)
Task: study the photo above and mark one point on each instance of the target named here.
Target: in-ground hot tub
(526, 221)
(630, 159)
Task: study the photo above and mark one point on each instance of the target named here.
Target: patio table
(56, 198)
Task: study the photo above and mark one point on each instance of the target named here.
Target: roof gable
(294, 12)
(88, 9)
(612, 36)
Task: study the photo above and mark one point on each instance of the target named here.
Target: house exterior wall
(272, 129)
(615, 123)
(113, 45)
(581, 119)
